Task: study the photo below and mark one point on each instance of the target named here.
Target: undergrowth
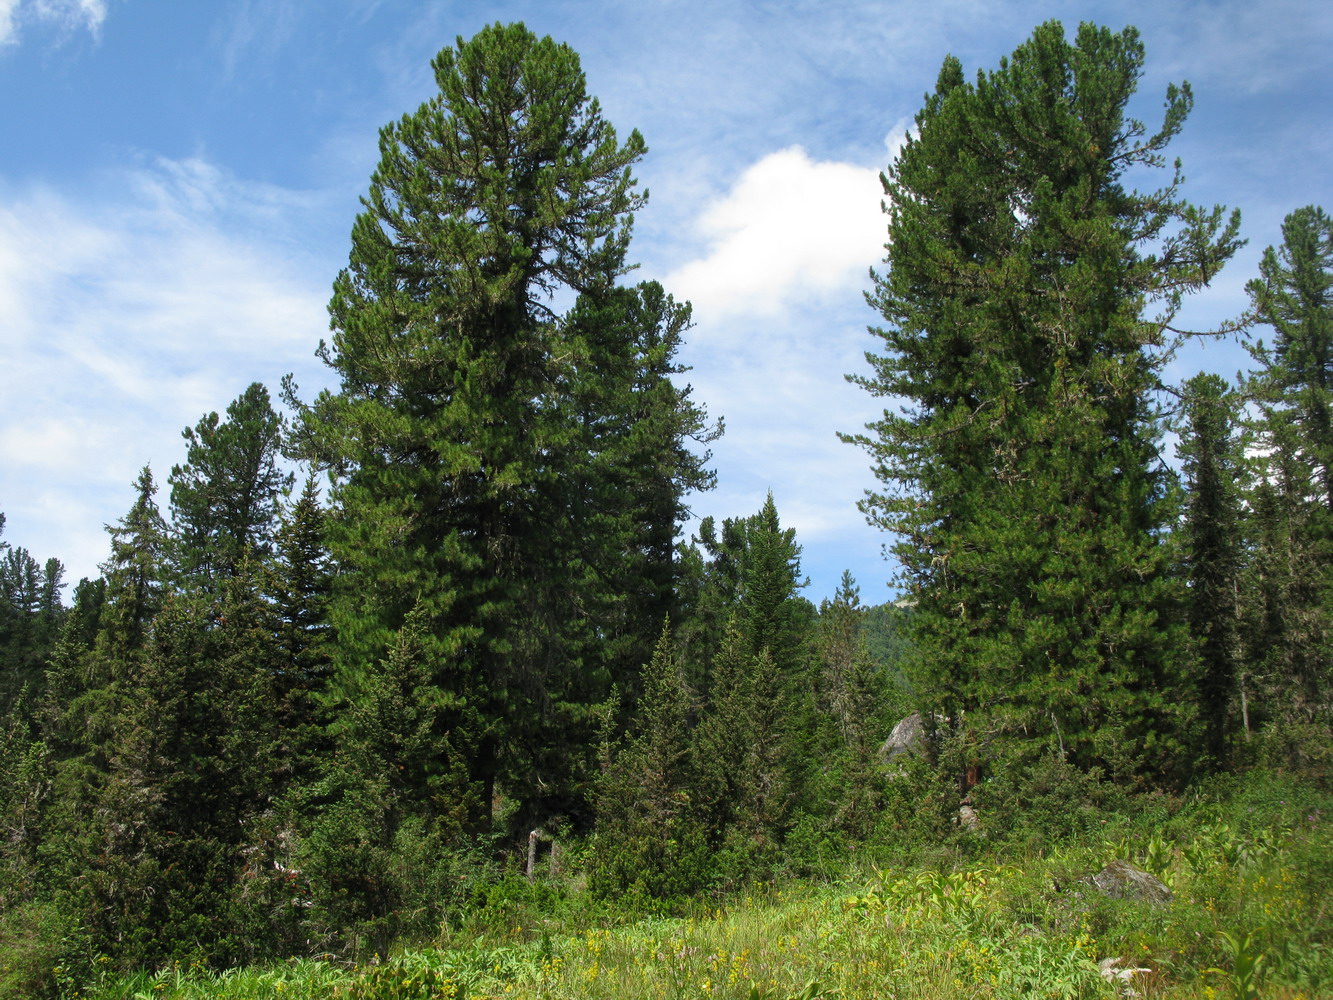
(1248, 862)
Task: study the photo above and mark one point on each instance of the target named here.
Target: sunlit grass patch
(1252, 915)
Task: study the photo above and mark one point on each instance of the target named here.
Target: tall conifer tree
(455, 438)
(1212, 464)
(225, 497)
(1294, 503)
(1021, 474)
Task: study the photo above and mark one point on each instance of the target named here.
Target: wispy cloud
(780, 260)
(66, 15)
(1252, 48)
(256, 32)
(8, 29)
(127, 321)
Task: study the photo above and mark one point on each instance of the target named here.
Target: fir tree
(1212, 465)
(649, 837)
(1293, 510)
(225, 497)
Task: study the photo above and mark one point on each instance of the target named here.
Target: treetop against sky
(179, 184)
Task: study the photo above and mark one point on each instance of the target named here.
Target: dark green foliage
(1021, 474)
(25, 790)
(649, 840)
(855, 693)
(1212, 463)
(606, 577)
(1294, 296)
(750, 568)
(136, 571)
(841, 648)
(743, 755)
(278, 728)
(186, 774)
(225, 497)
(1039, 801)
(516, 473)
(395, 810)
(774, 617)
(301, 582)
(1291, 596)
(157, 763)
(481, 205)
(628, 468)
(754, 748)
(31, 615)
(90, 680)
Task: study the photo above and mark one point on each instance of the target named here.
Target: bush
(1036, 803)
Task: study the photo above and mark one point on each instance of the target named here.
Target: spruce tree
(225, 497)
(650, 833)
(92, 848)
(30, 614)
(1029, 297)
(395, 802)
(188, 772)
(1293, 507)
(852, 692)
(755, 745)
(136, 570)
(1212, 465)
(300, 582)
(776, 618)
(751, 568)
(840, 644)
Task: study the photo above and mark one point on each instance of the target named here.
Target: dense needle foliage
(1022, 475)
(469, 688)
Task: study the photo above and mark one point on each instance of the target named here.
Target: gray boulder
(908, 736)
(1121, 880)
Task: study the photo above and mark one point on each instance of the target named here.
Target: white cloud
(1253, 48)
(789, 229)
(897, 137)
(66, 15)
(127, 321)
(254, 33)
(8, 31)
(72, 13)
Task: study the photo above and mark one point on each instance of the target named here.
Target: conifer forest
(428, 685)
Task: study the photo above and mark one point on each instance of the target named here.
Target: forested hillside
(362, 663)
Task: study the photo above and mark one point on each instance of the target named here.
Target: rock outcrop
(908, 737)
(1121, 880)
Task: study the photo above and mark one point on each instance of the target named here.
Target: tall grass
(1250, 865)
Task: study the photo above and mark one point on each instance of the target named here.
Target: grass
(1251, 866)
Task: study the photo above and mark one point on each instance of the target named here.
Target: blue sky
(178, 181)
